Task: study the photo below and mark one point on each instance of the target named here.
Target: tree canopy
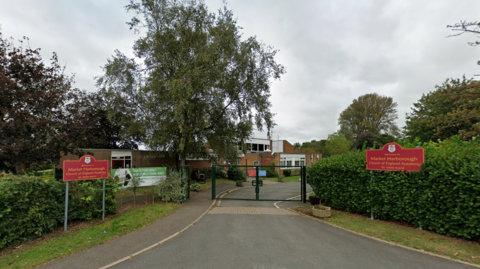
(369, 114)
(194, 80)
(452, 109)
(31, 99)
(42, 114)
(336, 143)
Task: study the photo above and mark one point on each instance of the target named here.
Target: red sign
(393, 158)
(267, 161)
(87, 168)
(252, 173)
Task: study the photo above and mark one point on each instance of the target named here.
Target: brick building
(260, 152)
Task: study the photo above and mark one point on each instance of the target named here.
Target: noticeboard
(87, 168)
(393, 158)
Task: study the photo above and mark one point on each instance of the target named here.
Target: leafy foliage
(42, 114)
(369, 113)
(31, 206)
(86, 196)
(172, 189)
(236, 174)
(313, 147)
(31, 102)
(336, 143)
(88, 125)
(287, 172)
(442, 197)
(194, 81)
(271, 170)
(219, 172)
(452, 109)
(195, 187)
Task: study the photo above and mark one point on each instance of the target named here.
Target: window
(297, 163)
(267, 147)
(282, 161)
(289, 163)
(255, 163)
(260, 147)
(238, 162)
(302, 161)
(254, 147)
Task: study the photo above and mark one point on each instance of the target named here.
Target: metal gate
(259, 187)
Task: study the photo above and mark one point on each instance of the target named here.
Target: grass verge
(405, 235)
(286, 179)
(208, 184)
(89, 237)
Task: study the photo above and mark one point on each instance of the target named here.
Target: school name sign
(87, 168)
(393, 158)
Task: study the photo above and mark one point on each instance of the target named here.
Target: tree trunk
(19, 169)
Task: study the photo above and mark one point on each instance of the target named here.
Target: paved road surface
(249, 234)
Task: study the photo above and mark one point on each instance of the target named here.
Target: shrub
(31, 206)
(171, 189)
(236, 174)
(196, 187)
(295, 172)
(442, 197)
(271, 170)
(287, 172)
(85, 198)
(219, 172)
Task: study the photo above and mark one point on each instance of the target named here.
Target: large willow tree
(194, 81)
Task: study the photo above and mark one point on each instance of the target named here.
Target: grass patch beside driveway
(405, 235)
(72, 242)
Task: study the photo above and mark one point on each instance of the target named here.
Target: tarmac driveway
(249, 234)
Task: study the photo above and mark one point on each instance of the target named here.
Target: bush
(219, 172)
(172, 189)
(287, 172)
(295, 172)
(271, 170)
(196, 187)
(85, 198)
(442, 197)
(31, 206)
(236, 174)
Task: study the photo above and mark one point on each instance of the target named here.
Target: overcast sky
(334, 50)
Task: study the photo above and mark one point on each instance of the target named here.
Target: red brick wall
(146, 159)
(287, 147)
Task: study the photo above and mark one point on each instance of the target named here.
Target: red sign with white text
(252, 173)
(87, 168)
(393, 158)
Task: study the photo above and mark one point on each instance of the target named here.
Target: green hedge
(31, 206)
(236, 173)
(443, 197)
(219, 172)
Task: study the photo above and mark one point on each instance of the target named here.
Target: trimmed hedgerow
(443, 197)
(31, 206)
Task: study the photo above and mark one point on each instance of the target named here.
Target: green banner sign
(148, 176)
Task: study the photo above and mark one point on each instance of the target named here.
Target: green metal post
(257, 187)
(188, 182)
(214, 187)
(66, 206)
(103, 201)
(304, 184)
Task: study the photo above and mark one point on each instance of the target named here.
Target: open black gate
(259, 187)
